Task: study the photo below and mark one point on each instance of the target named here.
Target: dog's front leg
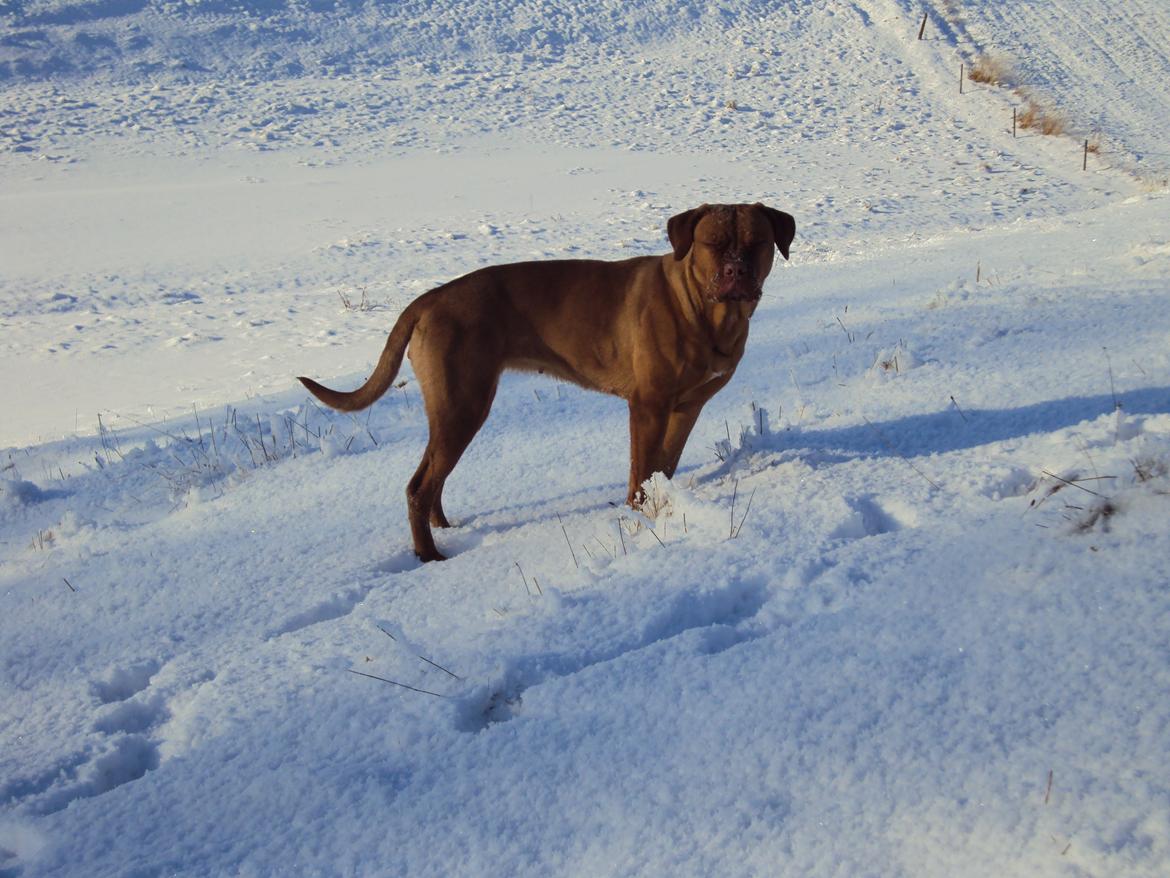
(648, 421)
(678, 428)
(682, 421)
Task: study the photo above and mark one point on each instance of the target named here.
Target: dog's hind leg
(457, 402)
(458, 438)
(438, 517)
(418, 499)
(451, 433)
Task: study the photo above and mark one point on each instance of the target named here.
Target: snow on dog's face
(731, 247)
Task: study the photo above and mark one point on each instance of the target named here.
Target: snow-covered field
(905, 609)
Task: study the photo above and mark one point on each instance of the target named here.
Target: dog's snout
(735, 269)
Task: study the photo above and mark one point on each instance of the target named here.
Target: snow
(902, 612)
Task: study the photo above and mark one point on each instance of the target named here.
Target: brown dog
(665, 333)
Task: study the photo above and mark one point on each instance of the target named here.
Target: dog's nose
(736, 270)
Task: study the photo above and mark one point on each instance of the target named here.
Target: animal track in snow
(123, 752)
(869, 518)
(339, 604)
(716, 614)
(130, 757)
(399, 563)
(21, 789)
(132, 717)
(119, 684)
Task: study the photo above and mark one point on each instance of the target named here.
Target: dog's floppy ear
(681, 230)
(783, 227)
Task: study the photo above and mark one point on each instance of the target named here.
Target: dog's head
(731, 247)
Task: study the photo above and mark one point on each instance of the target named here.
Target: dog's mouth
(734, 294)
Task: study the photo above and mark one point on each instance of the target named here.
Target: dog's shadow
(503, 519)
(912, 436)
(938, 432)
(952, 429)
(471, 531)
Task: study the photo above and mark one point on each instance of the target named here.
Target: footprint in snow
(339, 604)
(866, 518)
(714, 620)
(118, 684)
(124, 752)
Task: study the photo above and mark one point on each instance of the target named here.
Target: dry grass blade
(423, 657)
(959, 410)
(440, 667)
(525, 578)
(745, 514)
(395, 683)
(1074, 484)
(567, 542)
(731, 528)
(1109, 363)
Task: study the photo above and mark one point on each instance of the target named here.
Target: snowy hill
(902, 612)
(126, 40)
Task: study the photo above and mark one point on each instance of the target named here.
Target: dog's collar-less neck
(729, 332)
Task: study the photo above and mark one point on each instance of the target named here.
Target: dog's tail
(384, 373)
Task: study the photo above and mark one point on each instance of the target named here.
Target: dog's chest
(707, 365)
(716, 364)
(703, 380)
